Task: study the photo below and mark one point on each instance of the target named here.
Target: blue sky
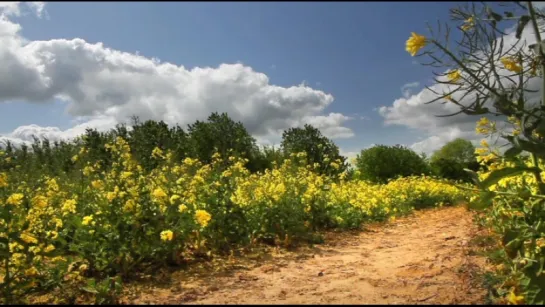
(352, 51)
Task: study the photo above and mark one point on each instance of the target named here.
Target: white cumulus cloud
(107, 86)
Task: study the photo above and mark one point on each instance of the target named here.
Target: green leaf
(541, 263)
(485, 200)
(512, 152)
(497, 175)
(508, 14)
(89, 290)
(533, 294)
(523, 21)
(528, 146)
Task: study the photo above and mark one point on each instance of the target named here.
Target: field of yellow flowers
(90, 233)
(515, 213)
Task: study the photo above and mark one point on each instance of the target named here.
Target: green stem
(465, 68)
(540, 47)
(535, 159)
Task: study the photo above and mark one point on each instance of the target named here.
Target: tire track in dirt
(420, 259)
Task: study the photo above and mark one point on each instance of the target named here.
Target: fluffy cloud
(108, 86)
(406, 89)
(13, 8)
(411, 110)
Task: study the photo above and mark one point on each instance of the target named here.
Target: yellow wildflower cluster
(117, 215)
(454, 76)
(514, 208)
(511, 64)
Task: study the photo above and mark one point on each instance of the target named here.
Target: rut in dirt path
(420, 259)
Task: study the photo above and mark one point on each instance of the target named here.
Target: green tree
(451, 160)
(380, 163)
(223, 135)
(319, 149)
(459, 150)
(145, 137)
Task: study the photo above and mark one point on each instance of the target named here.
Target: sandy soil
(420, 259)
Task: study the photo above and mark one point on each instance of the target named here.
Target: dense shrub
(319, 149)
(450, 161)
(381, 163)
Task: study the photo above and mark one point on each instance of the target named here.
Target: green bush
(380, 163)
(449, 161)
(319, 149)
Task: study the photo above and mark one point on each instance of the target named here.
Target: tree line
(220, 134)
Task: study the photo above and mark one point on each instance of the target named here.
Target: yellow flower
(454, 75)
(87, 220)
(97, 184)
(469, 23)
(484, 126)
(182, 208)
(159, 193)
(49, 248)
(53, 234)
(129, 205)
(58, 223)
(34, 249)
(28, 238)
(83, 267)
(88, 170)
(39, 201)
(126, 175)
(31, 272)
(157, 153)
(15, 199)
(515, 299)
(511, 64)
(174, 198)
(481, 151)
(111, 196)
(202, 217)
(415, 43)
(167, 235)
(69, 206)
(3, 180)
(14, 247)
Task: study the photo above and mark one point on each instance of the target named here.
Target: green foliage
(319, 149)
(223, 135)
(450, 161)
(382, 163)
(459, 150)
(511, 187)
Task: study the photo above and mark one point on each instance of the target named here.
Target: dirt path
(420, 259)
